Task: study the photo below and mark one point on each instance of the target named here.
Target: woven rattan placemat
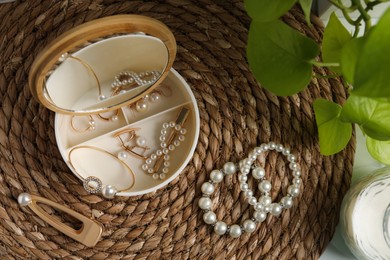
(236, 115)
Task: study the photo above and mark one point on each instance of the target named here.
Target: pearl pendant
(142, 106)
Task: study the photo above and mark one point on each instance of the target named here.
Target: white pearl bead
(267, 208)
(122, 155)
(242, 178)
(249, 226)
(248, 193)
(265, 186)
(150, 170)
(244, 186)
(162, 176)
(252, 156)
(141, 141)
(287, 202)
(257, 150)
(177, 127)
(205, 203)
(245, 170)
(279, 148)
(207, 188)
(172, 124)
(165, 125)
(291, 158)
(176, 142)
(276, 209)
(166, 157)
(264, 147)
(216, 176)
(235, 231)
(167, 164)
(252, 201)
(181, 138)
(297, 181)
(148, 161)
(159, 152)
(165, 170)
(286, 151)
(260, 216)
(209, 217)
(154, 97)
(183, 131)
(171, 147)
(145, 167)
(164, 131)
(272, 145)
(229, 168)
(102, 97)
(293, 190)
(265, 200)
(114, 118)
(163, 138)
(142, 106)
(297, 173)
(247, 162)
(220, 228)
(294, 166)
(259, 206)
(109, 191)
(153, 157)
(24, 199)
(156, 176)
(258, 173)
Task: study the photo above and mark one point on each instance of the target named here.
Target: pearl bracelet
(264, 205)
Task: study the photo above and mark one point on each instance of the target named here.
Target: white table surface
(337, 250)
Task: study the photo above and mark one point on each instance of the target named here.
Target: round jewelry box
(126, 122)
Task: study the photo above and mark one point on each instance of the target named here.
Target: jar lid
(103, 64)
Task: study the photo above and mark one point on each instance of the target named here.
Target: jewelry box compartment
(97, 153)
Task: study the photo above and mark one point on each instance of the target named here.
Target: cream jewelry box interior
(126, 122)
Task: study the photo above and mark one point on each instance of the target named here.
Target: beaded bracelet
(264, 205)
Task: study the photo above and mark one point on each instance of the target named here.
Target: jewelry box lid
(75, 73)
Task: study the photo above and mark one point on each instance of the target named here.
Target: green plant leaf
(265, 10)
(334, 134)
(349, 56)
(371, 114)
(279, 57)
(371, 78)
(306, 7)
(335, 37)
(379, 150)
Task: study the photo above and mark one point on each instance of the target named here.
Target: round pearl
(265, 200)
(142, 106)
(177, 127)
(252, 201)
(264, 147)
(183, 131)
(141, 141)
(258, 173)
(245, 170)
(259, 206)
(216, 176)
(220, 228)
(171, 147)
(92, 123)
(176, 142)
(165, 125)
(257, 150)
(248, 193)
(165, 170)
(181, 138)
(294, 166)
(242, 178)
(122, 155)
(229, 168)
(162, 176)
(102, 97)
(172, 124)
(260, 216)
(148, 161)
(291, 158)
(272, 145)
(153, 157)
(286, 151)
(247, 162)
(297, 181)
(24, 199)
(204, 203)
(114, 118)
(287, 202)
(207, 188)
(249, 226)
(156, 176)
(279, 148)
(297, 173)
(293, 190)
(109, 191)
(265, 186)
(276, 209)
(235, 231)
(209, 217)
(145, 167)
(154, 97)
(244, 186)
(159, 152)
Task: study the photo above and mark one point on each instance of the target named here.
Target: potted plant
(362, 61)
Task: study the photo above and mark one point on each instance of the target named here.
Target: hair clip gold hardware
(90, 232)
(139, 142)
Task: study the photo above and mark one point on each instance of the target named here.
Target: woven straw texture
(236, 115)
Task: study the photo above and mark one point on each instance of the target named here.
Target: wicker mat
(236, 115)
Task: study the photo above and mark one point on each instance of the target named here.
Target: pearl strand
(205, 203)
(264, 205)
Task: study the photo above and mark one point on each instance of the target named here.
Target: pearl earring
(91, 125)
(137, 140)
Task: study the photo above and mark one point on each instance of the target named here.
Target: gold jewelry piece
(112, 118)
(139, 142)
(90, 127)
(108, 191)
(142, 105)
(89, 233)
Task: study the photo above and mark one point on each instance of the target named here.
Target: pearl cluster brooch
(167, 146)
(264, 204)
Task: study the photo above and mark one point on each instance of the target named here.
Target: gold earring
(93, 184)
(111, 118)
(139, 142)
(91, 125)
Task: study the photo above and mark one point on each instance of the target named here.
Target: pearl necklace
(264, 205)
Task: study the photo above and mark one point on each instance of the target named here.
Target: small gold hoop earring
(91, 125)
